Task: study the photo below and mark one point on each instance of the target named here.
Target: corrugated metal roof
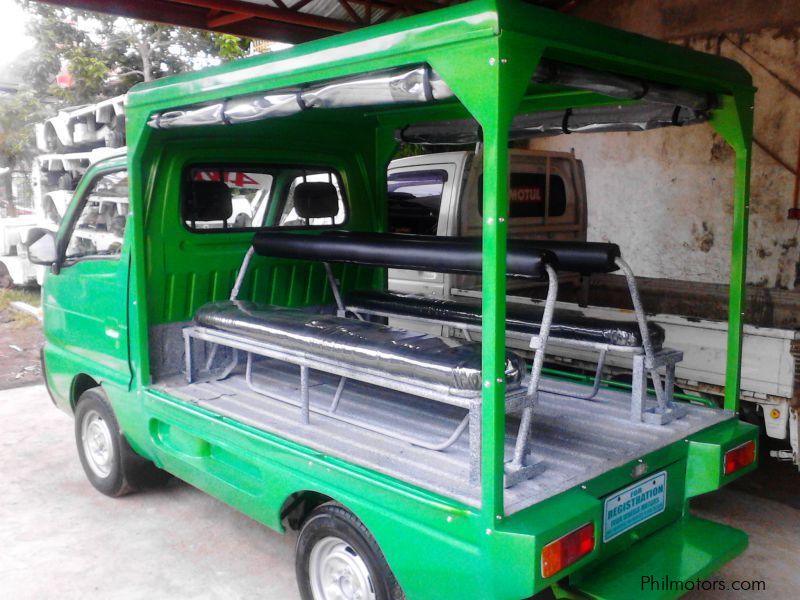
(290, 21)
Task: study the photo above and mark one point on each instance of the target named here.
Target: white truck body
(49, 205)
(83, 127)
(71, 141)
(770, 371)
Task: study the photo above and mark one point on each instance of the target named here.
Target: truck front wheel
(109, 462)
(338, 559)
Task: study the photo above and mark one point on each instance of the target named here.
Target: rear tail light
(564, 551)
(740, 457)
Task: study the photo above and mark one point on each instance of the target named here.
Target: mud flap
(665, 565)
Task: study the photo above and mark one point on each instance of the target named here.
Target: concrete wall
(665, 196)
(671, 19)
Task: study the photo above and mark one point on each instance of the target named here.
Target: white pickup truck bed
(767, 364)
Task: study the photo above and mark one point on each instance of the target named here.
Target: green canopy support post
(505, 65)
(735, 123)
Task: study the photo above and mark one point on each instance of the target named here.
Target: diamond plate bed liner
(575, 439)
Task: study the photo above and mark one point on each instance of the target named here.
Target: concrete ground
(20, 339)
(61, 539)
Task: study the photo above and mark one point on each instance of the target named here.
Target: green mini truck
(216, 309)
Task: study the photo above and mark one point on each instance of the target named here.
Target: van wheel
(337, 558)
(109, 462)
(5, 277)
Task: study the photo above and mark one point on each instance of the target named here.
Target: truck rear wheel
(110, 464)
(6, 281)
(337, 558)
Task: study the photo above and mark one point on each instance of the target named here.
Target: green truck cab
(251, 357)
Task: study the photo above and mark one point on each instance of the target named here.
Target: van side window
(527, 193)
(230, 197)
(415, 198)
(100, 225)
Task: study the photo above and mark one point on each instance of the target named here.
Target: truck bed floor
(576, 439)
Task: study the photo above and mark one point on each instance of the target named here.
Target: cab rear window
(231, 197)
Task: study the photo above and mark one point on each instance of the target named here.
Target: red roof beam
(222, 20)
(171, 13)
(272, 14)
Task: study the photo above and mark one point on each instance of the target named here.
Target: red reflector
(740, 457)
(564, 551)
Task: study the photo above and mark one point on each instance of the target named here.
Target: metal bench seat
(412, 363)
(520, 319)
(426, 359)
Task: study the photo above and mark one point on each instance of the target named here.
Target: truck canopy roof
(390, 69)
(339, 102)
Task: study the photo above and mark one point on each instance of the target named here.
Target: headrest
(208, 201)
(316, 200)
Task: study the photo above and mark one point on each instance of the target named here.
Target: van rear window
(527, 193)
(228, 197)
(415, 199)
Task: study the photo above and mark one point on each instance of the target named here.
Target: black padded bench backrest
(576, 257)
(423, 253)
(571, 256)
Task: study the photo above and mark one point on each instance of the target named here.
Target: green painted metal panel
(486, 51)
(707, 449)
(689, 550)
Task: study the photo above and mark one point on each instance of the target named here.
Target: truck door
(418, 197)
(86, 293)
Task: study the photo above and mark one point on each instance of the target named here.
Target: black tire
(330, 521)
(6, 282)
(117, 137)
(51, 141)
(123, 471)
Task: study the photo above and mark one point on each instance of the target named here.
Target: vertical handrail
(638, 310)
(539, 344)
(337, 293)
(237, 286)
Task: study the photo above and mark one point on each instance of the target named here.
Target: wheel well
(299, 505)
(80, 384)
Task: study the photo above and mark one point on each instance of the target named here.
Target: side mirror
(41, 245)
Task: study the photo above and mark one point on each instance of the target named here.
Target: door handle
(111, 329)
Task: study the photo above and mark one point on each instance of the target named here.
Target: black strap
(426, 83)
(565, 121)
(225, 119)
(676, 116)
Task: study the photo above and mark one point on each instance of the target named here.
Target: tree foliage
(106, 55)
(18, 113)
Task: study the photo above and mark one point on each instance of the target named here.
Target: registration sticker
(627, 508)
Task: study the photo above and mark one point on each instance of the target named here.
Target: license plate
(625, 509)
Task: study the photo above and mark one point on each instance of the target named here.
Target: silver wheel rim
(337, 572)
(98, 447)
